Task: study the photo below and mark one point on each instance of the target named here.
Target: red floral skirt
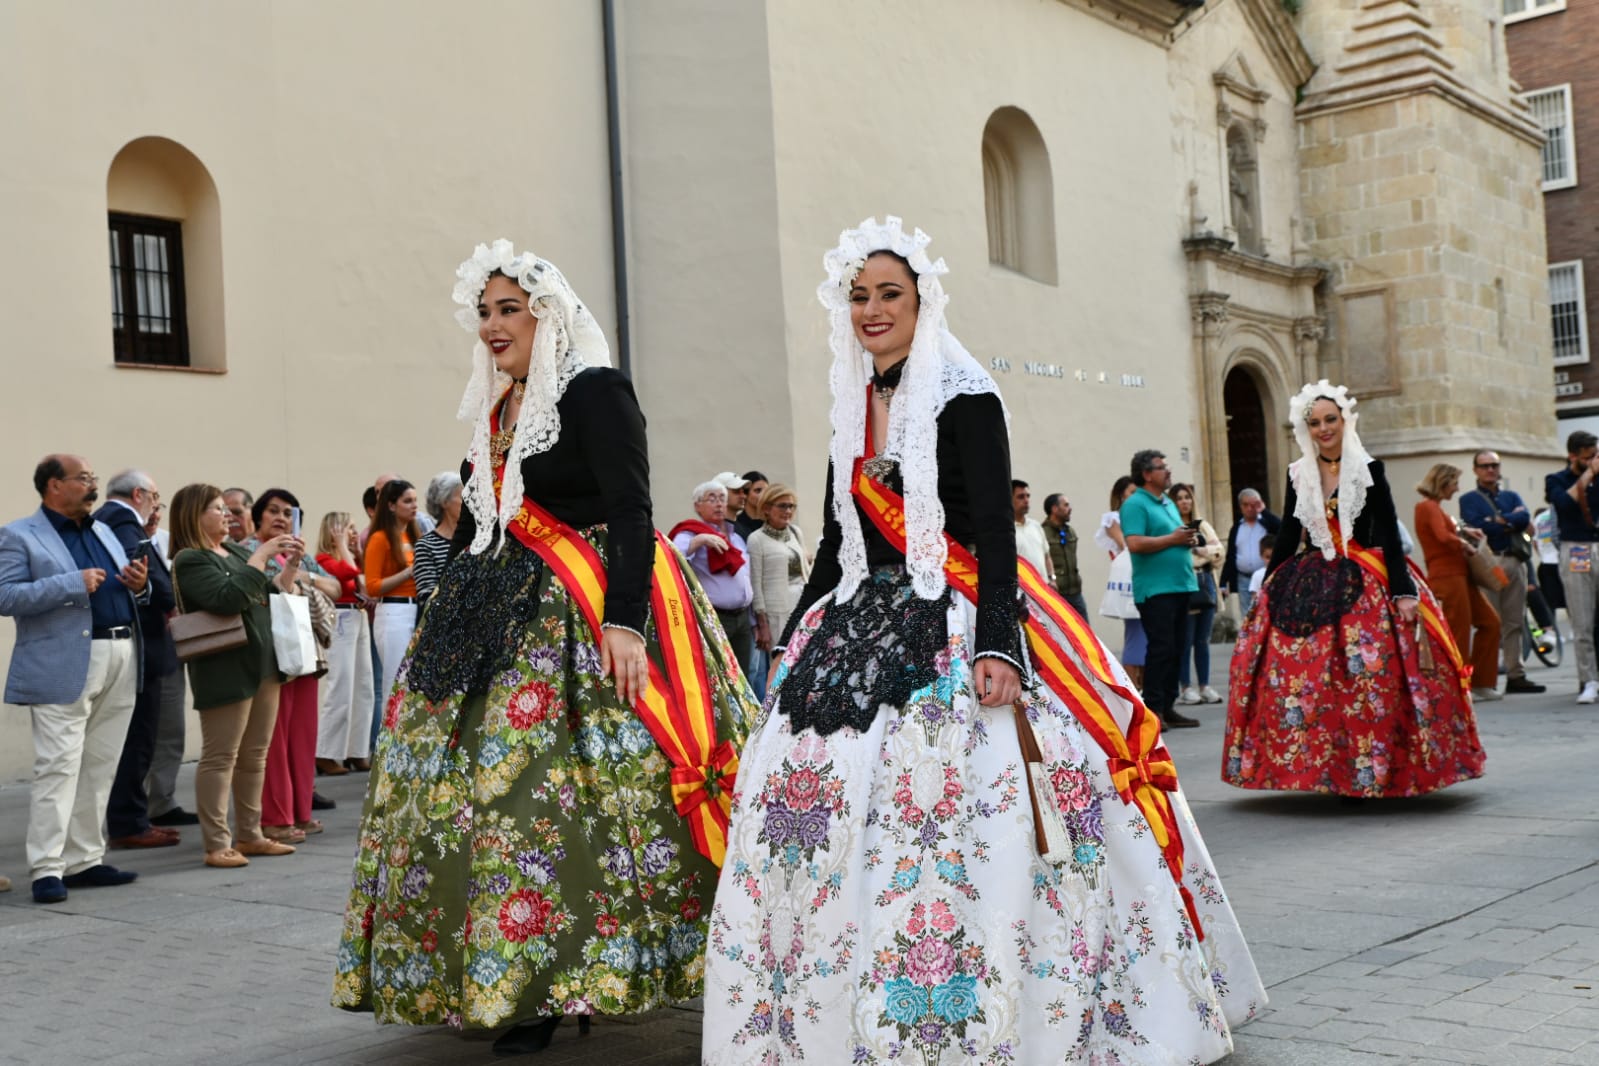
(1330, 692)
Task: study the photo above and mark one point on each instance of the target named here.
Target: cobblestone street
(1456, 928)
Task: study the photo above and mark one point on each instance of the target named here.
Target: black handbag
(1204, 597)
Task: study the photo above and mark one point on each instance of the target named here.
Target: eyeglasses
(1488, 466)
(84, 478)
(784, 506)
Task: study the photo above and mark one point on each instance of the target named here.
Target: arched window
(1243, 187)
(165, 251)
(1019, 196)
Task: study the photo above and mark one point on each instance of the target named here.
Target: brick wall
(1551, 50)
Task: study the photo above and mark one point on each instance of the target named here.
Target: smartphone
(295, 512)
(140, 551)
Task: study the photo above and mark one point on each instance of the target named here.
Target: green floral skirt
(519, 851)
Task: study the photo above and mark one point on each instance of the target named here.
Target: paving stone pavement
(1455, 928)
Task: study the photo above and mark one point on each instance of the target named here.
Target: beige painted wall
(357, 156)
(880, 108)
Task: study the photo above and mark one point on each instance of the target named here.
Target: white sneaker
(1488, 695)
(1190, 696)
(1209, 695)
(1590, 693)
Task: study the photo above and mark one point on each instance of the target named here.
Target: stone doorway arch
(1248, 437)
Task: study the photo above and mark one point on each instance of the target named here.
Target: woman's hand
(269, 548)
(622, 657)
(996, 681)
(1408, 609)
(763, 633)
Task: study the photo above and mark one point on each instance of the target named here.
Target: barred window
(147, 320)
(1551, 109)
(1568, 313)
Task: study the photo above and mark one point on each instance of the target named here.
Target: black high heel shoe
(527, 1038)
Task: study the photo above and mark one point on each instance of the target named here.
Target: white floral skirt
(883, 899)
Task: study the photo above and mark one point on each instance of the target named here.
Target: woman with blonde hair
(1447, 547)
(235, 691)
(778, 568)
(343, 736)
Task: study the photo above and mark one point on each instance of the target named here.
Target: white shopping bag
(293, 639)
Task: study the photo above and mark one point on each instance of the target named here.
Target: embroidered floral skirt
(1330, 692)
(883, 900)
(519, 853)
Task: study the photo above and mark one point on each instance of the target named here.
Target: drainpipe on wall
(613, 124)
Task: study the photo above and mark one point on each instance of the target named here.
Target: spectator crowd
(94, 586)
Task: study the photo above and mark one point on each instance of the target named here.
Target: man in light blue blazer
(76, 667)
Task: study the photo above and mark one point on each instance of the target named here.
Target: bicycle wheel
(1551, 657)
(1546, 643)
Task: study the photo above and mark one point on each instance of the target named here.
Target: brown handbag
(196, 634)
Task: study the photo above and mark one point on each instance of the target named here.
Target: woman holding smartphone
(291, 760)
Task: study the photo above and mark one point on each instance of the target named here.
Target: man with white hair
(131, 498)
(720, 559)
(1243, 547)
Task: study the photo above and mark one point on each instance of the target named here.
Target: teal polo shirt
(1169, 570)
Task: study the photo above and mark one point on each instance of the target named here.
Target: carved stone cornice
(1390, 53)
(1153, 20)
(1222, 252)
(1275, 31)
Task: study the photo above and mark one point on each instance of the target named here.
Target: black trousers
(128, 811)
(1165, 618)
(740, 634)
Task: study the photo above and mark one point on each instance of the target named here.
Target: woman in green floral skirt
(521, 857)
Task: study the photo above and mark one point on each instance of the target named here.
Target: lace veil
(1354, 472)
(567, 340)
(938, 369)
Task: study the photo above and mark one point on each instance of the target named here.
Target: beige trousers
(233, 751)
(76, 747)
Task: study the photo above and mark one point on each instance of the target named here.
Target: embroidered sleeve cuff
(1020, 669)
(618, 625)
(998, 623)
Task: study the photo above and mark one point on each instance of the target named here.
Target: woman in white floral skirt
(884, 898)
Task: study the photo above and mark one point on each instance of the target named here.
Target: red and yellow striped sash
(1139, 764)
(1432, 619)
(678, 706)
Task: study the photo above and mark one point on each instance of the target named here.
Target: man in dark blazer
(74, 594)
(131, 496)
(1243, 547)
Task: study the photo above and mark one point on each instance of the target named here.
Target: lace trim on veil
(939, 368)
(568, 341)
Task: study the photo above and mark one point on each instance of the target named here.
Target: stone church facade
(1364, 206)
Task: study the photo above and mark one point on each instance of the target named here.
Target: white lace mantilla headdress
(1354, 472)
(938, 369)
(567, 341)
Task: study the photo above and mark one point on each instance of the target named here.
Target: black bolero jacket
(1376, 527)
(597, 471)
(974, 486)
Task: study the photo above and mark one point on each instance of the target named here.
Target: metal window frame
(1575, 266)
(130, 345)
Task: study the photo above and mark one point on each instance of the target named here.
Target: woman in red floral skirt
(1346, 678)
